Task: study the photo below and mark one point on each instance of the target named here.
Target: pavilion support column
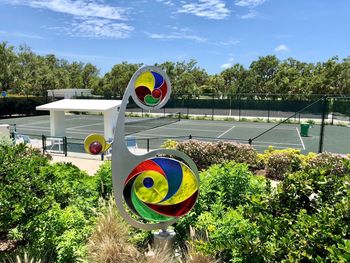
(57, 125)
(110, 120)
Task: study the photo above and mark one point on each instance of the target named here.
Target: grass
(110, 243)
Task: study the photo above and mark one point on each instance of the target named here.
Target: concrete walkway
(88, 165)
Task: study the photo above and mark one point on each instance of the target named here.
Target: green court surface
(336, 138)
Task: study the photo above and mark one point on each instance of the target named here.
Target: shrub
(223, 186)
(5, 140)
(205, 154)
(306, 220)
(330, 163)
(104, 180)
(25, 191)
(49, 207)
(279, 163)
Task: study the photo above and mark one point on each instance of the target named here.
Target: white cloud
(226, 65)
(249, 3)
(175, 35)
(229, 42)
(166, 2)
(281, 48)
(20, 34)
(251, 14)
(211, 9)
(90, 18)
(82, 8)
(101, 28)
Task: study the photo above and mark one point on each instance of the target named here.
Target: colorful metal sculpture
(157, 190)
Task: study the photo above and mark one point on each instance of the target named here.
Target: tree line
(24, 72)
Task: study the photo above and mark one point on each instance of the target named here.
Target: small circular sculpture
(161, 189)
(151, 89)
(96, 144)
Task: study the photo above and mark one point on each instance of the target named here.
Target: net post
(332, 111)
(188, 105)
(250, 141)
(239, 107)
(268, 110)
(190, 137)
(147, 144)
(323, 123)
(213, 107)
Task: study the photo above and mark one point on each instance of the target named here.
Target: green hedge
(21, 105)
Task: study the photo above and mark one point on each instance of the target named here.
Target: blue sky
(217, 33)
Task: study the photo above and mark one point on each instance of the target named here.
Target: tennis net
(135, 126)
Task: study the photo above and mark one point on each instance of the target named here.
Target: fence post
(324, 112)
(43, 141)
(65, 147)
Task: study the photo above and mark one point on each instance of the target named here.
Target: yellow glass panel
(154, 194)
(146, 79)
(187, 188)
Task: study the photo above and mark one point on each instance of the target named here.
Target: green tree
(8, 67)
(264, 70)
(118, 78)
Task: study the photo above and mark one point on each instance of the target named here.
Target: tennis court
(153, 136)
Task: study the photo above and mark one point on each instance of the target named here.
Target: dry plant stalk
(194, 256)
(108, 243)
(25, 258)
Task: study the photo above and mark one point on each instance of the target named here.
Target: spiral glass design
(150, 88)
(161, 189)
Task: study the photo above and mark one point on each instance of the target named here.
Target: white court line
(281, 143)
(34, 128)
(301, 139)
(82, 126)
(222, 134)
(237, 124)
(184, 129)
(33, 123)
(279, 147)
(147, 135)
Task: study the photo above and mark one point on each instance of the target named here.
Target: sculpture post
(156, 189)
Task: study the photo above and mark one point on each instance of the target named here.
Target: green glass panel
(145, 211)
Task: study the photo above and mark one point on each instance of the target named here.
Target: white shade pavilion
(109, 109)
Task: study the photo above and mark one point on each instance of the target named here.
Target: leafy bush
(205, 154)
(5, 140)
(306, 220)
(104, 180)
(49, 207)
(279, 163)
(223, 186)
(330, 163)
(23, 187)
